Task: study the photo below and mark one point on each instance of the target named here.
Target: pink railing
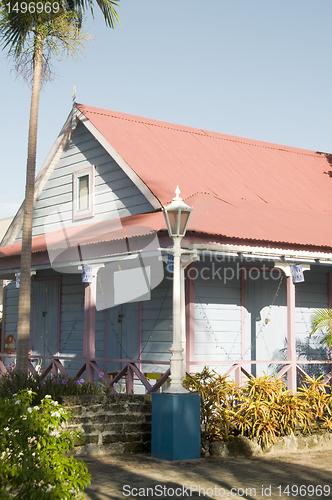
(239, 370)
(129, 371)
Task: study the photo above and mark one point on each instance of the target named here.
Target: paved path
(140, 476)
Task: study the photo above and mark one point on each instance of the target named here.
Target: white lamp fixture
(177, 216)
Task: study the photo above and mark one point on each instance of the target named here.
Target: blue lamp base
(176, 426)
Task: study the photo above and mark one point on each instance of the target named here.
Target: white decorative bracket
(286, 267)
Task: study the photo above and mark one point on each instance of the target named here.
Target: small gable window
(83, 193)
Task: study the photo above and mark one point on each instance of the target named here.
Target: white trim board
(144, 189)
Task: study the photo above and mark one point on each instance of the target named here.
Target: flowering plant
(34, 446)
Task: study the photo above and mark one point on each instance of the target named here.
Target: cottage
(259, 209)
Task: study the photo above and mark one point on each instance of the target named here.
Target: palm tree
(108, 8)
(33, 37)
(321, 319)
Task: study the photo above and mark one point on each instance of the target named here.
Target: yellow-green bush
(263, 409)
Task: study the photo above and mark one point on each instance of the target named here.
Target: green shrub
(13, 381)
(262, 409)
(34, 446)
(319, 399)
(219, 399)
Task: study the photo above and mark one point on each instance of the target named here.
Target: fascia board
(139, 183)
(41, 179)
(290, 254)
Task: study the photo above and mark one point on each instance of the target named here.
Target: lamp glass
(177, 221)
(184, 219)
(173, 222)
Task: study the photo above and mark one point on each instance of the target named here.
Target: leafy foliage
(319, 399)
(14, 381)
(34, 446)
(321, 319)
(108, 8)
(263, 409)
(56, 34)
(219, 399)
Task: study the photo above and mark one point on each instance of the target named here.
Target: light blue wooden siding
(72, 321)
(310, 295)
(45, 310)
(100, 336)
(121, 324)
(157, 330)
(217, 316)
(10, 327)
(115, 194)
(265, 319)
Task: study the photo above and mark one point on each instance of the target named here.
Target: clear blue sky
(250, 68)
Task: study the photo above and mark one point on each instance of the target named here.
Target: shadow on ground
(137, 476)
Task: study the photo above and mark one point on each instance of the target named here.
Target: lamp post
(177, 216)
(176, 427)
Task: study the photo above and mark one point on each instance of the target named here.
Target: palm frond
(107, 7)
(321, 319)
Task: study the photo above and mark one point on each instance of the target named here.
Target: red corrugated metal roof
(270, 223)
(89, 234)
(255, 190)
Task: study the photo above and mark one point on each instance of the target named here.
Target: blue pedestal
(176, 426)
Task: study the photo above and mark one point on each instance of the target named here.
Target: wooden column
(105, 338)
(291, 341)
(59, 317)
(3, 336)
(330, 290)
(239, 377)
(89, 350)
(139, 342)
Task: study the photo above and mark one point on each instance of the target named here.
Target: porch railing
(239, 370)
(131, 370)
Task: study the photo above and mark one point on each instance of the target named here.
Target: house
(4, 224)
(259, 209)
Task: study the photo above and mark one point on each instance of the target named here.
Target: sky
(258, 69)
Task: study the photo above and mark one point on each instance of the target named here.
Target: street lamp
(177, 216)
(176, 425)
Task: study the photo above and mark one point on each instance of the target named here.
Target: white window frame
(90, 211)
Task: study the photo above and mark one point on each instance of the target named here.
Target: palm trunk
(24, 306)
(330, 360)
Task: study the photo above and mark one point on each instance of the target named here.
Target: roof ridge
(211, 136)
